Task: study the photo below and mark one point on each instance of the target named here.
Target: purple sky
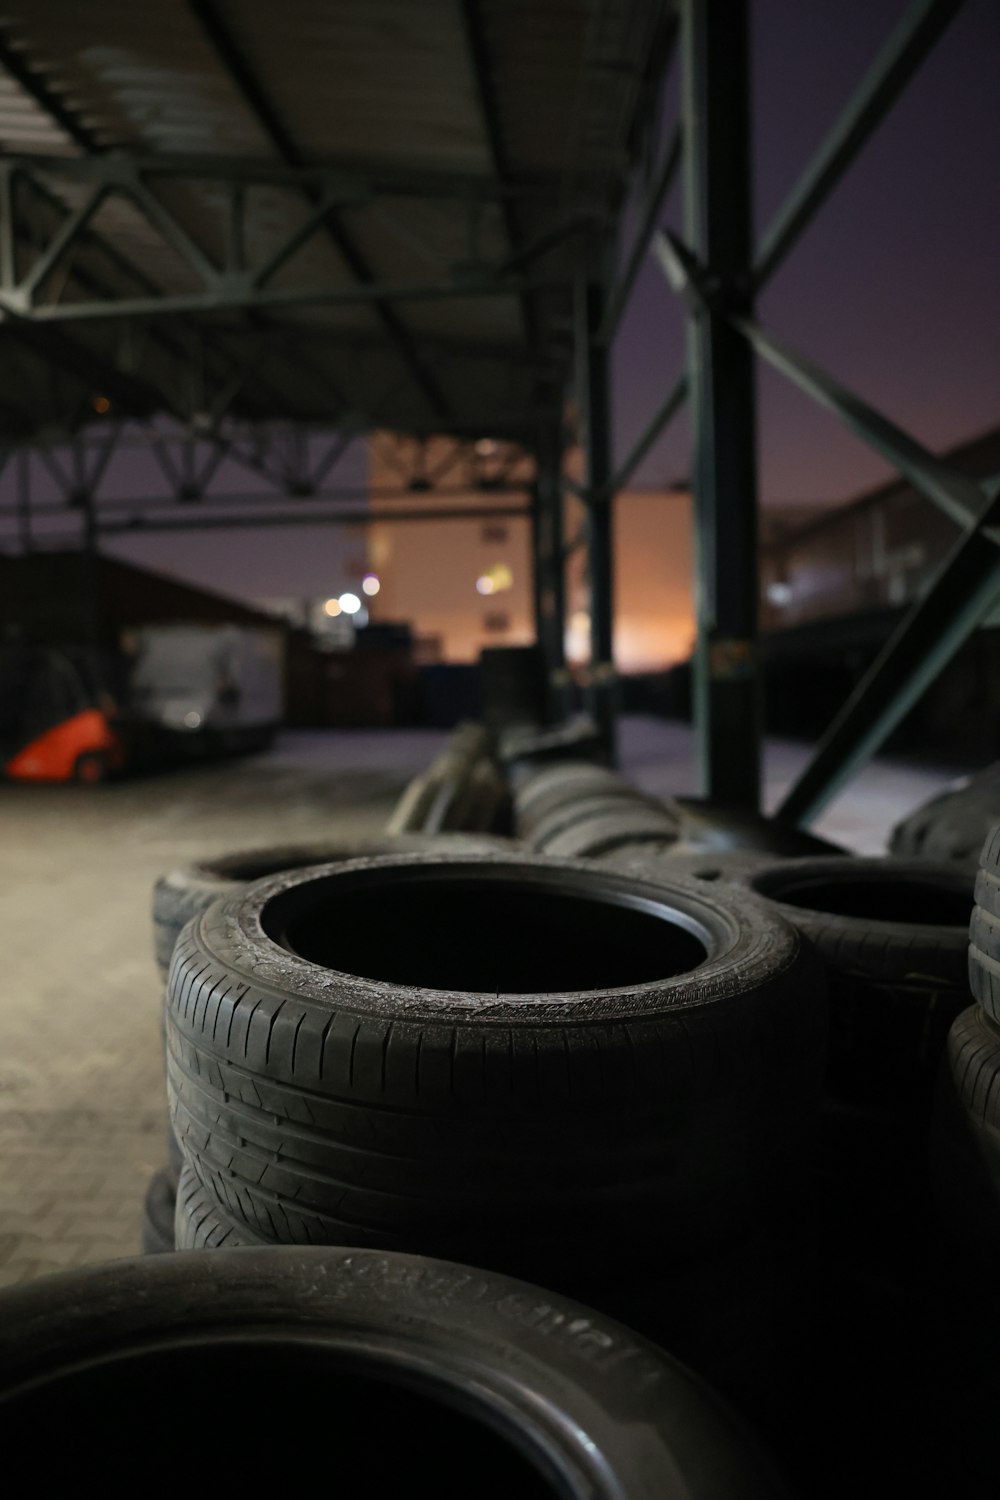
(894, 287)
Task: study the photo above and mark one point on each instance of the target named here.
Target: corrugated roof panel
(378, 83)
(24, 125)
(143, 74)
(407, 239)
(370, 79)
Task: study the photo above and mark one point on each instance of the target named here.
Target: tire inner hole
(486, 936)
(374, 1437)
(918, 903)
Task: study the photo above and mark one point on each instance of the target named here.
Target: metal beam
(952, 493)
(70, 229)
(656, 198)
(310, 517)
(908, 45)
(255, 96)
(341, 176)
(95, 161)
(595, 436)
(658, 422)
(489, 104)
(957, 599)
(232, 293)
(24, 500)
(183, 488)
(549, 574)
(718, 215)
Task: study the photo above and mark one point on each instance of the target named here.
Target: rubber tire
(91, 768)
(672, 861)
(984, 929)
(158, 1212)
(506, 1128)
(953, 825)
(601, 832)
(561, 819)
(966, 1131)
(876, 1007)
(199, 1223)
(895, 987)
(595, 1409)
(185, 892)
(559, 784)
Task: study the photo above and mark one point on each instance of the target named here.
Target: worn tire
(558, 785)
(570, 815)
(672, 861)
(158, 1212)
(966, 1130)
(953, 825)
(984, 929)
(420, 1377)
(318, 1106)
(896, 985)
(632, 825)
(199, 1223)
(185, 892)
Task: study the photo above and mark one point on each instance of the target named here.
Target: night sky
(893, 288)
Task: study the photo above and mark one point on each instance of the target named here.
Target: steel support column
(718, 217)
(595, 433)
(549, 569)
(24, 500)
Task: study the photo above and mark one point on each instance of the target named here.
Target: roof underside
(369, 211)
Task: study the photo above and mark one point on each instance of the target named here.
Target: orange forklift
(58, 719)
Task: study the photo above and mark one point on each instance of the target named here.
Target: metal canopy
(370, 209)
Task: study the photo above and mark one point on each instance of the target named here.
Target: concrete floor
(82, 1112)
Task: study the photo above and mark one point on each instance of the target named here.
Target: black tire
(672, 861)
(592, 805)
(984, 929)
(199, 1223)
(91, 768)
(632, 825)
(185, 892)
(420, 1377)
(322, 1107)
(158, 1212)
(953, 825)
(893, 934)
(966, 1132)
(558, 784)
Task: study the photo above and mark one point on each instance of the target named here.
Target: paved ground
(81, 1096)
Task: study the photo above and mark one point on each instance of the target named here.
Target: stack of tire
(184, 893)
(574, 810)
(892, 935)
(463, 790)
(540, 1067)
(968, 1124)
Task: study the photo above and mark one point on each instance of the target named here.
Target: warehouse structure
(209, 250)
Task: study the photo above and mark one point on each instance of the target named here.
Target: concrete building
(466, 584)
